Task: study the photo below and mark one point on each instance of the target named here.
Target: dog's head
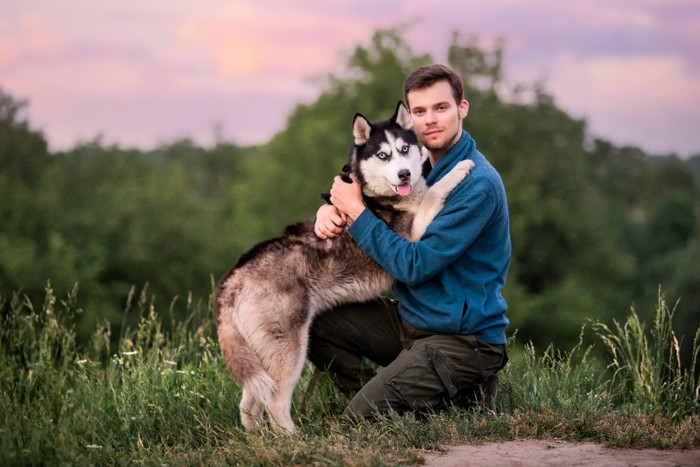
(386, 158)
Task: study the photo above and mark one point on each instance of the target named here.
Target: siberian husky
(267, 301)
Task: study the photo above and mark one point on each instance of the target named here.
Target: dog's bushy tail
(242, 361)
(262, 385)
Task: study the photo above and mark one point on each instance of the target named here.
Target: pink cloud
(647, 99)
(634, 85)
(247, 40)
(31, 37)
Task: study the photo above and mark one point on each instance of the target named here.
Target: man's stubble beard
(447, 144)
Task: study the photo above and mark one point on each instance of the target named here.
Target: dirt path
(532, 453)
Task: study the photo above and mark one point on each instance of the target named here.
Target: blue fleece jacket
(450, 280)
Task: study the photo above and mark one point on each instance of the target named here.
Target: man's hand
(329, 222)
(347, 197)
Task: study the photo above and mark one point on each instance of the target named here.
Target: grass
(648, 366)
(165, 398)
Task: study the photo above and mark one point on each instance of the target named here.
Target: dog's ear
(402, 117)
(345, 176)
(361, 128)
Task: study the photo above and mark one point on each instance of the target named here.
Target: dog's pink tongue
(404, 189)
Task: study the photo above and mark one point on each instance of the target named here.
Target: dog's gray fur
(267, 301)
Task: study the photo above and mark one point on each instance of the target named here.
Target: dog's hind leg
(251, 409)
(243, 363)
(281, 407)
(289, 373)
(434, 199)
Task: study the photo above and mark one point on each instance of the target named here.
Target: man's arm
(445, 239)
(414, 262)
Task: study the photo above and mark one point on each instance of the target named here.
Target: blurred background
(149, 145)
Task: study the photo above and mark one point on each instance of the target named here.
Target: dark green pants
(422, 371)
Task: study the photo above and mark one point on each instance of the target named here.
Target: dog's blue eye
(404, 150)
(382, 155)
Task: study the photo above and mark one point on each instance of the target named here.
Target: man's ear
(463, 108)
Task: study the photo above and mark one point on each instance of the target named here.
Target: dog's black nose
(404, 175)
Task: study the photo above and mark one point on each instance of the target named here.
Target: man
(443, 339)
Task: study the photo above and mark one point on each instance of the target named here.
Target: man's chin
(438, 146)
(441, 146)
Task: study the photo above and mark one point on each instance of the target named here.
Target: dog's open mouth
(404, 189)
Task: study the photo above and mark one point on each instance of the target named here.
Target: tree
(23, 224)
(22, 150)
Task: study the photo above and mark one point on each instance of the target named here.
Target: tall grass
(648, 367)
(569, 383)
(163, 396)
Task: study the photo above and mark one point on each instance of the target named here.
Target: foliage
(165, 397)
(23, 151)
(109, 218)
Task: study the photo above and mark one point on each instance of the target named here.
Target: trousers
(423, 371)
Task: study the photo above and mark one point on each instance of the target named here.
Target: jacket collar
(464, 148)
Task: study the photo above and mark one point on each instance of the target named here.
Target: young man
(443, 340)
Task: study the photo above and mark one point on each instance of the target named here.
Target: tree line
(596, 227)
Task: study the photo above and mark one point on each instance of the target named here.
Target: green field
(165, 398)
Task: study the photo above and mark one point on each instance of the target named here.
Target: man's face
(437, 119)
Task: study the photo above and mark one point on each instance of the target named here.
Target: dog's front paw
(464, 167)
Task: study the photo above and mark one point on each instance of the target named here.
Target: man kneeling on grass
(443, 341)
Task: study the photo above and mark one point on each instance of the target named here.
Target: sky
(145, 73)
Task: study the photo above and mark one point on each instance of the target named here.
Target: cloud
(148, 119)
(649, 100)
(630, 82)
(247, 40)
(30, 39)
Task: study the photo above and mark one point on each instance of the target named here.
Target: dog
(267, 301)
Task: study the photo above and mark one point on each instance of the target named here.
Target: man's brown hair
(428, 75)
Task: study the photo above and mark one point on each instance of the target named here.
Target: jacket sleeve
(454, 229)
